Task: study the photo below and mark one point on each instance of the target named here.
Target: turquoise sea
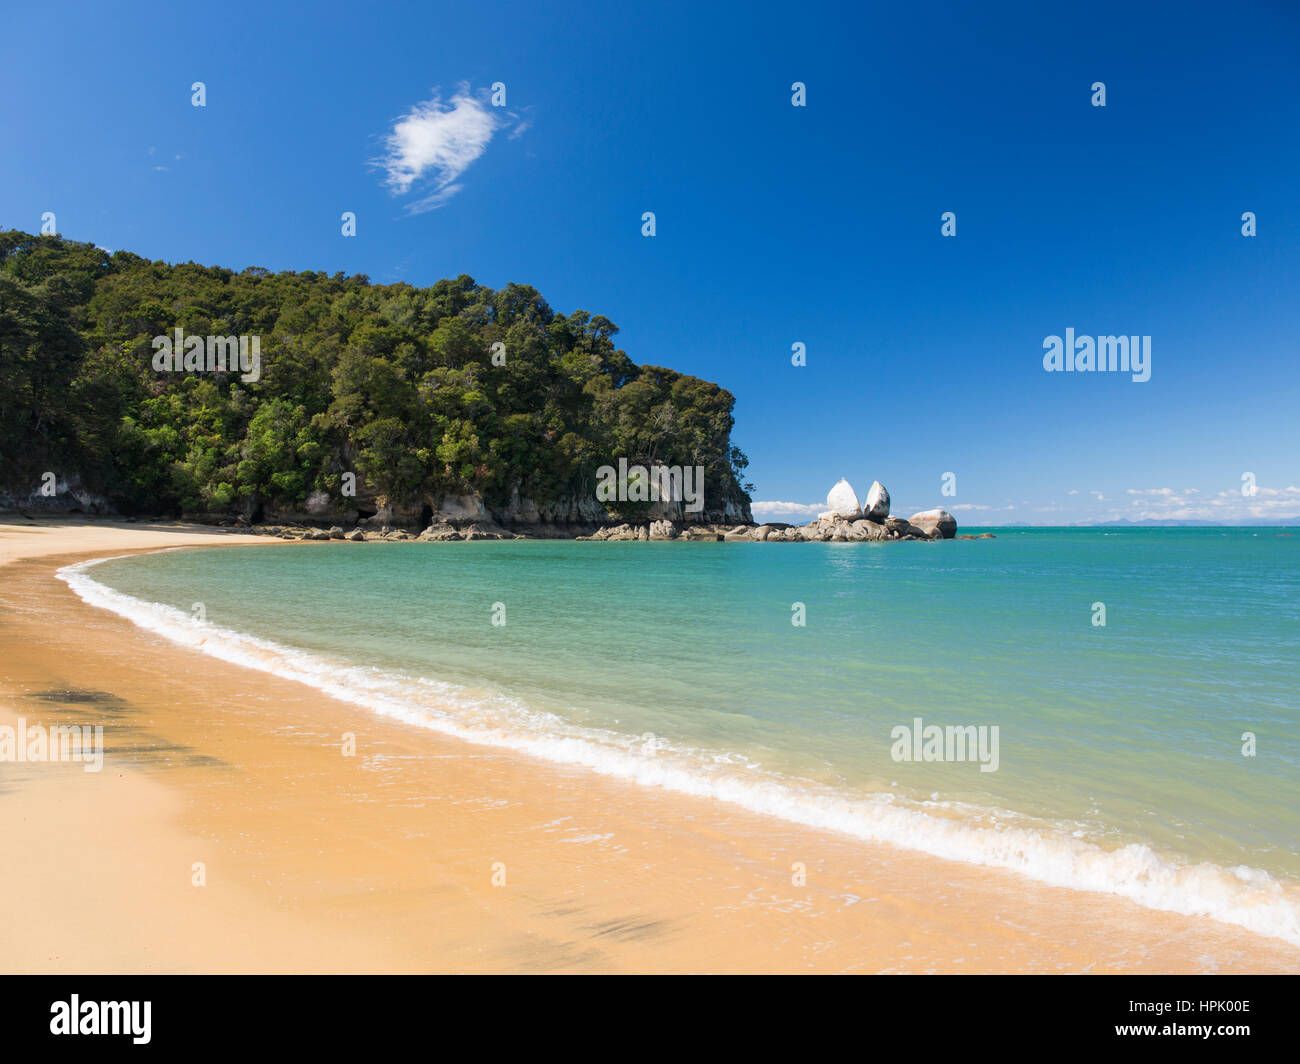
(1120, 760)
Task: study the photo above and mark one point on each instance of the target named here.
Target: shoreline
(385, 861)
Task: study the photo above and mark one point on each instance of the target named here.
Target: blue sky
(775, 224)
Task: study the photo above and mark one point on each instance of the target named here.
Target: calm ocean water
(1120, 763)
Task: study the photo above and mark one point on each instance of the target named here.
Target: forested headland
(420, 394)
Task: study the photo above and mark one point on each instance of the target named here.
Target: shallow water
(1119, 748)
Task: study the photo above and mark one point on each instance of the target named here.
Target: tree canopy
(396, 384)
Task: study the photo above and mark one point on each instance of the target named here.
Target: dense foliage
(391, 382)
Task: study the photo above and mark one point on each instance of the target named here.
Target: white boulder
(931, 521)
(877, 505)
(842, 501)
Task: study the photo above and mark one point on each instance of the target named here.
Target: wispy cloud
(1227, 506)
(434, 143)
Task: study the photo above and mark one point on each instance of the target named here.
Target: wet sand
(426, 854)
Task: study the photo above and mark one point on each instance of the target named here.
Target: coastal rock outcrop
(842, 501)
(442, 531)
(930, 521)
(521, 510)
(439, 532)
(927, 525)
(487, 529)
(876, 508)
(828, 529)
(871, 530)
(462, 508)
(67, 497)
(846, 521)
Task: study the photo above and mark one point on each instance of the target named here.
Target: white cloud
(434, 201)
(433, 144)
(806, 509)
(1289, 492)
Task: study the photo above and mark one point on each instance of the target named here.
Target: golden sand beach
(426, 854)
